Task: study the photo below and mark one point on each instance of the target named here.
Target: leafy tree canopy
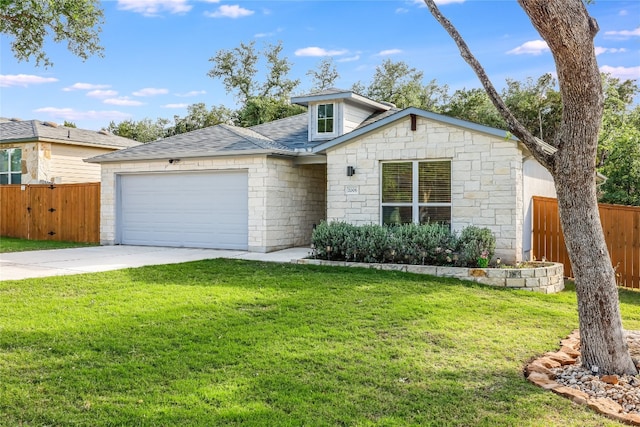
(30, 22)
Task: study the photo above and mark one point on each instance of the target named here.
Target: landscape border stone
(539, 373)
(545, 277)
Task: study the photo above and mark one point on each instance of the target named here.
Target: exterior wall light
(351, 171)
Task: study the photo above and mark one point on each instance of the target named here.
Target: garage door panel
(187, 209)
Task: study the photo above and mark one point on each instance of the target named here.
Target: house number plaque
(350, 189)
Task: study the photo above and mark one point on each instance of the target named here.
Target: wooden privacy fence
(621, 226)
(63, 212)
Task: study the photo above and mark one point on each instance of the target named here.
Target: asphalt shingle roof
(34, 130)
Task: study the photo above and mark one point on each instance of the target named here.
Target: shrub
(428, 244)
(476, 246)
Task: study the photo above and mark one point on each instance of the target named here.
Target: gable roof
(15, 131)
(395, 115)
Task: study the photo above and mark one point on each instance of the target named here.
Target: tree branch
(514, 125)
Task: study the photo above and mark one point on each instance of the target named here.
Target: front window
(325, 118)
(11, 166)
(417, 191)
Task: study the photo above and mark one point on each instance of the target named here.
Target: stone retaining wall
(540, 277)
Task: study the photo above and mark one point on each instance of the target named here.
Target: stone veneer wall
(284, 200)
(546, 278)
(486, 174)
(296, 200)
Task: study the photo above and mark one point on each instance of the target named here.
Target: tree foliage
(144, 130)
(401, 85)
(324, 76)
(238, 69)
(29, 23)
(259, 101)
(199, 117)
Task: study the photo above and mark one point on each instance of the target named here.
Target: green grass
(12, 244)
(231, 342)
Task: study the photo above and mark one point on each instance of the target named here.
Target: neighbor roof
(14, 130)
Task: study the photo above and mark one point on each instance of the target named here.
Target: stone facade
(486, 171)
(285, 199)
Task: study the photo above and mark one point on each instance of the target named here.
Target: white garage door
(199, 210)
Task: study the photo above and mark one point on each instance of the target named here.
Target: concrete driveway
(60, 262)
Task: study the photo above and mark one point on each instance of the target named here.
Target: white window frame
(9, 173)
(415, 193)
(333, 118)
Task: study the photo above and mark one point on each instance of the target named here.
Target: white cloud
(624, 73)
(123, 101)
(71, 114)
(154, 7)
(175, 106)
(533, 47)
(349, 59)
(84, 86)
(388, 52)
(601, 50)
(402, 10)
(318, 51)
(226, 11)
(270, 34)
(191, 93)
(150, 91)
(624, 33)
(24, 80)
(623, 12)
(99, 93)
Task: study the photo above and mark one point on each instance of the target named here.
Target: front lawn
(231, 342)
(12, 244)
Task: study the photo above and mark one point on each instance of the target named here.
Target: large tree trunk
(569, 30)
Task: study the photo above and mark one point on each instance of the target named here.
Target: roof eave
(183, 156)
(354, 97)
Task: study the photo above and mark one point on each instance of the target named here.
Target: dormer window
(325, 118)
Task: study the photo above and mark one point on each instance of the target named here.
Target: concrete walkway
(60, 262)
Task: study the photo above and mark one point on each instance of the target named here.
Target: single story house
(35, 152)
(349, 158)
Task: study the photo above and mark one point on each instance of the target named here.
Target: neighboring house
(348, 158)
(35, 152)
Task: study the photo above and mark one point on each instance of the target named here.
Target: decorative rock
(561, 357)
(605, 406)
(617, 397)
(536, 366)
(549, 363)
(610, 379)
(570, 351)
(542, 380)
(577, 396)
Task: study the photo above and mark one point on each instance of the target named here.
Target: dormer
(334, 112)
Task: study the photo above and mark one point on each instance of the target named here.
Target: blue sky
(157, 51)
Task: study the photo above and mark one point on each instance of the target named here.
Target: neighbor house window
(10, 166)
(417, 191)
(325, 118)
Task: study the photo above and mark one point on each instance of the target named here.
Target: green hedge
(429, 244)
